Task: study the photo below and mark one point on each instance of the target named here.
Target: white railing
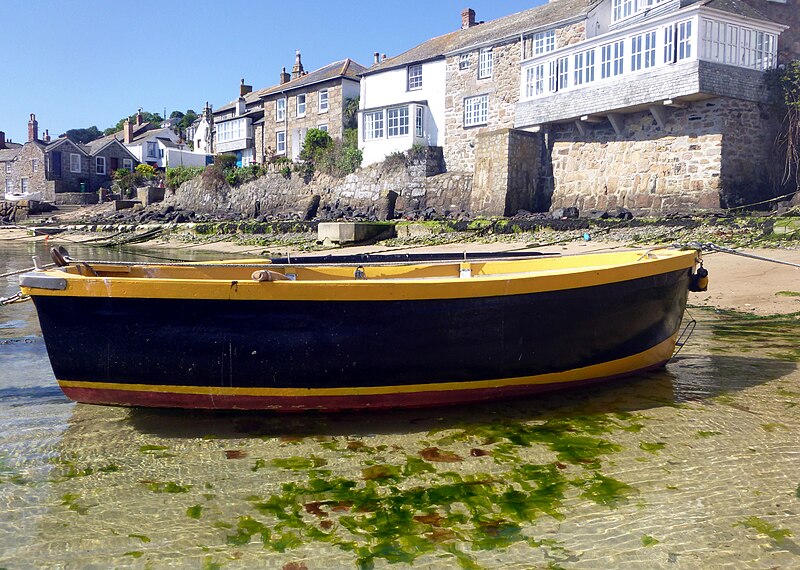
(644, 48)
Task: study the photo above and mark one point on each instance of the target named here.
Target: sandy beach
(736, 283)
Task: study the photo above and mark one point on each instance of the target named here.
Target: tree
(84, 136)
(786, 89)
(351, 112)
(147, 117)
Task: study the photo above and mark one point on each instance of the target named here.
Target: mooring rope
(718, 248)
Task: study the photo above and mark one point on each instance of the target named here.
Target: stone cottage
(61, 167)
(305, 100)
(654, 105)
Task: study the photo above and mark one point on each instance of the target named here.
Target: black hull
(357, 346)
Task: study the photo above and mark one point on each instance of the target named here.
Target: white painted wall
(388, 88)
(202, 137)
(174, 158)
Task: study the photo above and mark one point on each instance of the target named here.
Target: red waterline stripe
(324, 403)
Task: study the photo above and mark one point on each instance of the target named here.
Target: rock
(312, 207)
(598, 215)
(621, 213)
(570, 213)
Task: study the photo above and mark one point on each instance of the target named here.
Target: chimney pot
(284, 77)
(377, 57)
(33, 128)
(244, 89)
(467, 18)
(383, 57)
(297, 70)
(139, 119)
(127, 132)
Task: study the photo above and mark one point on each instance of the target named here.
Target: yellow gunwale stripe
(389, 289)
(649, 357)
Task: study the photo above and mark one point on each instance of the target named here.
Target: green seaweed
(166, 487)
(70, 500)
(763, 527)
(134, 553)
(652, 447)
(704, 434)
(298, 463)
(141, 537)
(605, 490)
(194, 512)
(648, 540)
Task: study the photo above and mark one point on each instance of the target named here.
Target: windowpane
(397, 121)
(373, 125)
(301, 105)
(280, 142)
(415, 76)
(323, 100)
(418, 125)
(280, 110)
(486, 64)
(476, 110)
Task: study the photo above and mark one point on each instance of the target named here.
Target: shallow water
(694, 466)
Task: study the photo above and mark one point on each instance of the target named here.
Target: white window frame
(463, 61)
(248, 156)
(583, 63)
(23, 184)
(151, 150)
(323, 101)
(100, 165)
(544, 42)
(397, 121)
(280, 109)
(485, 63)
(323, 127)
(419, 121)
(9, 186)
(301, 105)
(563, 73)
(683, 40)
(373, 125)
(8, 167)
(74, 162)
(127, 163)
(280, 142)
(476, 110)
(414, 77)
(34, 165)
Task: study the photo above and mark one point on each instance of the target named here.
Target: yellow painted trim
(384, 283)
(650, 357)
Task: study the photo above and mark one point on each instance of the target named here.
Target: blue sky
(89, 62)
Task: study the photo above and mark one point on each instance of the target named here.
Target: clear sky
(81, 63)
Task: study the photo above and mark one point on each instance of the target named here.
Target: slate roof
(346, 68)
(11, 152)
(732, 6)
(510, 26)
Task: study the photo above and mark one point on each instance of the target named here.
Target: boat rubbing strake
(347, 333)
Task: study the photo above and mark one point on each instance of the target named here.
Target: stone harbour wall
(711, 154)
(414, 186)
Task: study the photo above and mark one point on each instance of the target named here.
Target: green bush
(146, 171)
(181, 174)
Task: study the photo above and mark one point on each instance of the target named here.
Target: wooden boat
(20, 196)
(357, 332)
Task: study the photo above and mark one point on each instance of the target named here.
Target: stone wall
(265, 134)
(502, 89)
(30, 164)
(711, 154)
(506, 172)
(414, 187)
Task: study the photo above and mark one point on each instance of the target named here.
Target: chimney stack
(33, 128)
(297, 70)
(241, 107)
(2, 140)
(47, 135)
(284, 77)
(467, 18)
(245, 89)
(383, 57)
(139, 117)
(377, 57)
(127, 132)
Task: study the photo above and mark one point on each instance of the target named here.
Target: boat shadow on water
(688, 378)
